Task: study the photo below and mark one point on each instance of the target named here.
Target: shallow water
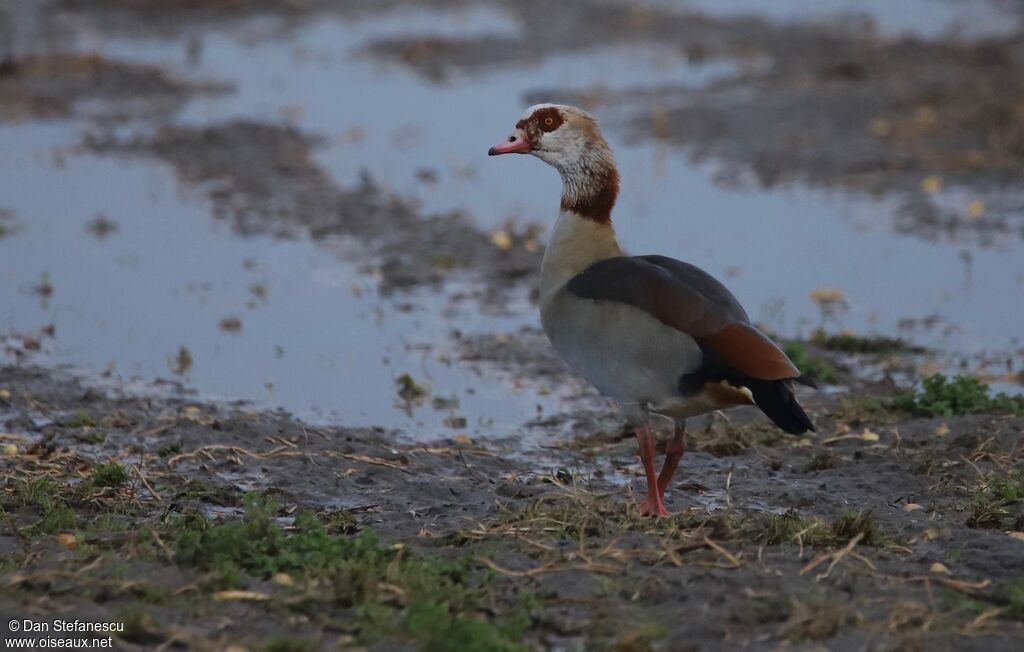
(314, 336)
(322, 342)
(775, 247)
(927, 19)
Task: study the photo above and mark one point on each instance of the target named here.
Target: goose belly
(622, 350)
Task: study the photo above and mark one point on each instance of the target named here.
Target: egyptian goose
(658, 335)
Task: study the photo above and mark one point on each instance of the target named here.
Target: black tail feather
(776, 399)
(805, 381)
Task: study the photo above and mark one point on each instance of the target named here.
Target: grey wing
(700, 281)
(691, 301)
(676, 293)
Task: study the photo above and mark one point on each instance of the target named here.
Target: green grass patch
(945, 397)
(81, 419)
(791, 527)
(939, 396)
(108, 474)
(999, 502)
(389, 589)
(92, 437)
(787, 528)
(168, 450)
(1009, 598)
(1012, 598)
(45, 505)
(852, 524)
(432, 623)
(199, 491)
(338, 521)
(38, 492)
(44, 498)
(955, 601)
(140, 626)
(59, 519)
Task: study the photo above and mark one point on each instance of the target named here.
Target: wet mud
(756, 554)
(58, 85)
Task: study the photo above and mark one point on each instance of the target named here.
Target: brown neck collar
(590, 189)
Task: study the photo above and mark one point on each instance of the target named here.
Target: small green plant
(816, 368)
(140, 626)
(950, 600)
(108, 474)
(943, 397)
(431, 623)
(851, 524)
(409, 390)
(45, 497)
(387, 587)
(167, 450)
(1013, 597)
(81, 419)
(40, 492)
(59, 519)
(182, 362)
(92, 437)
(999, 502)
(338, 521)
(791, 527)
(1009, 487)
(256, 544)
(785, 528)
(197, 490)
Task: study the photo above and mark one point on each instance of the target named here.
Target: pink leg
(673, 453)
(652, 506)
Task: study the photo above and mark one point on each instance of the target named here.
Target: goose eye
(549, 121)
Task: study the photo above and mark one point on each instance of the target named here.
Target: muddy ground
(881, 532)
(200, 525)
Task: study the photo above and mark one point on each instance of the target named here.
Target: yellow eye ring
(549, 121)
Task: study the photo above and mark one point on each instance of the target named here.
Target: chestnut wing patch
(690, 300)
(749, 351)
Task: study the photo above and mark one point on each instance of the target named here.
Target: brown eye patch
(548, 119)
